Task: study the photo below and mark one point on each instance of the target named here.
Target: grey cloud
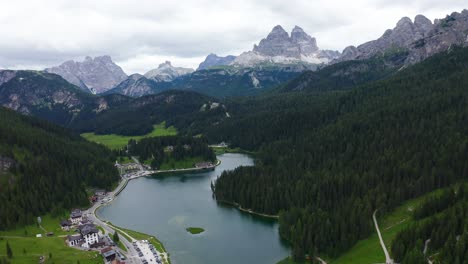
(38, 34)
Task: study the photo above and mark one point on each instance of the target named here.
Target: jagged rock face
(405, 33)
(452, 30)
(215, 60)
(6, 75)
(166, 72)
(97, 74)
(278, 47)
(307, 44)
(422, 38)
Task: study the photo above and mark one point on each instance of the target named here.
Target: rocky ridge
(420, 37)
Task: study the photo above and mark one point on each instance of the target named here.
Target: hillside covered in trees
(441, 230)
(44, 168)
(326, 162)
(159, 150)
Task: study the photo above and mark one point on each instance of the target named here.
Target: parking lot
(147, 252)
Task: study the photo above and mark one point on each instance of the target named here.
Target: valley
(284, 153)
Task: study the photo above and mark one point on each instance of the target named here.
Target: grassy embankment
(27, 248)
(195, 230)
(368, 250)
(117, 141)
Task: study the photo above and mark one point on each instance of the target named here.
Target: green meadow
(27, 248)
(114, 141)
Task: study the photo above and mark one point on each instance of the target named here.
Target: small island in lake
(195, 230)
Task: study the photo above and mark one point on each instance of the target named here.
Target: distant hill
(45, 169)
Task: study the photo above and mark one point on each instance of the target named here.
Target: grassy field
(195, 230)
(180, 164)
(125, 160)
(27, 248)
(117, 141)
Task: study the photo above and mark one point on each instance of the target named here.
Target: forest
(45, 169)
(442, 230)
(326, 162)
(159, 150)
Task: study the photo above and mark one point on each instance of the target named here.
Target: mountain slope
(327, 162)
(50, 97)
(44, 169)
(347, 74)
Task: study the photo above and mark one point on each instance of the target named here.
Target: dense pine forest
(45, 169)
(326, 162)
(441, 230)
(159, 150)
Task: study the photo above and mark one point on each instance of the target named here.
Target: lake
(164, 206)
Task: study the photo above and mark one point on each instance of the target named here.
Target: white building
(90, 235)
(76, 216)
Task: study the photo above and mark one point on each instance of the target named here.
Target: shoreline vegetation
(248, 211)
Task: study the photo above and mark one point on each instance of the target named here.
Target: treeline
(48, 169)
(163, 149)
(326, 162)
(443, 234)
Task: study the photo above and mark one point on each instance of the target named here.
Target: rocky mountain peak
(404, 22)
(215, 60)
(306, 43)
(166, 72)
(166, 64)
(97, 74)
(278, 32)
(422, 20)
(280, 47)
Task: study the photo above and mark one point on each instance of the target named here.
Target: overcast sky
(140, 34)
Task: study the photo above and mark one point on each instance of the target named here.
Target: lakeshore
(165, 206)
(130, 239)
